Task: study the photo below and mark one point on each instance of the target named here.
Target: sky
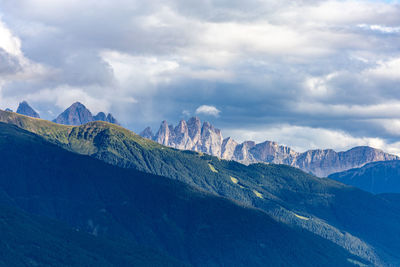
(307, 74)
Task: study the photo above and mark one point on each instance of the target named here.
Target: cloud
(327, 65)
(208, 110)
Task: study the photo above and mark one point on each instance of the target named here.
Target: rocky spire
(110, 118)
(182, 139)
(25, 109)
(194, 129)
(76, 114)
(163, 134)
(101, 116)
(147, 133)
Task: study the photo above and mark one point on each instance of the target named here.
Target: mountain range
(365, 225)
(205, 138)
(76, 114)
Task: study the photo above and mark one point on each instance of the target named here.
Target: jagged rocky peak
(182, 139)
(110, 118)
(101, 116)
(228, 148)
(182, 127)
(76, 114)
(211, 140)
(27, 110)
(147, 133)
(242, 152)
(194, 128)
(188, 135)
(163, 134)
(270, 151)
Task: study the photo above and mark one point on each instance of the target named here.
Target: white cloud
(208, 110)
(10, 43)
(142, 69)
(315, 63)
(19, 67)
(389, 69)
(380, 28)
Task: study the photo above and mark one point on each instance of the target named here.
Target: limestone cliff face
(325, 162)
(192, 135)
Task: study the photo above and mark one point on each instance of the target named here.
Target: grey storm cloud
(9, 64)
(329, 66)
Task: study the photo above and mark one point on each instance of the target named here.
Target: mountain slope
(376, 177)
(362, 223)
(167, 215)
(28, 240)
(191, 135)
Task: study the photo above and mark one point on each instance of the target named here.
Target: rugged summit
(101, 116)
(78, 114)
(192, 135)
(27, 110)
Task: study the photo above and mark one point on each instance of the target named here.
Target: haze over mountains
(195, 136)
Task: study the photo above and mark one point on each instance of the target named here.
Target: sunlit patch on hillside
(357, 263)
(258, 194)
(212, 168)
(301, 217)
(236, 181)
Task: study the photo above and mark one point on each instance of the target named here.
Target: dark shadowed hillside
(28, 240)
(376, 177)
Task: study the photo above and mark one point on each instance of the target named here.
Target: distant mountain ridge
(205, 138)
(78, 114)
(376, 177)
